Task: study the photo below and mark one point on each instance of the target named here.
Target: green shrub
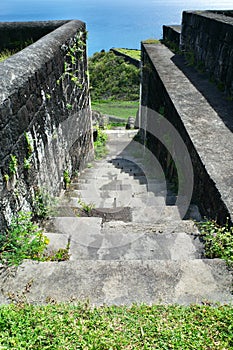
(23, 240)
(218, 240)
(112, 78)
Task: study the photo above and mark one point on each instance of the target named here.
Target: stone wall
(45, 119)
(207, 38)
(127, 58)
(165, 89)
(17, 35)
(171, 34)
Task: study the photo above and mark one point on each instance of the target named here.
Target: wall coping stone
(16, 69)
(213, 15)
(211, 138)
(175, 27)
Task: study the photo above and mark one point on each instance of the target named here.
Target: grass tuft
(5, 54)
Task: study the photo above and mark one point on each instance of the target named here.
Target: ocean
(116, 23)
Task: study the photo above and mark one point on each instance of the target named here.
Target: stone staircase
(127, 240)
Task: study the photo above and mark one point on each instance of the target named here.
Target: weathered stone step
(155, 213)
(106, 245)
(106, 199)
(117, 185)
(122, 282)
(91, 239)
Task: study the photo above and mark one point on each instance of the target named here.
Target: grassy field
(73, 327)
(122, 109)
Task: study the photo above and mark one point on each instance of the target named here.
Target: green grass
(5, 54)
(151, 41)
(66, 326)
(122, 109)
(136, 54)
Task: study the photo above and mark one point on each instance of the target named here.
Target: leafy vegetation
(112, 78)
(23, 240)
(13, 164)
(218, 240)
(66, 326)
(121, 109)
(66, 178)
(86, 207)
(100, 143)
(42, 203)
(5, 54)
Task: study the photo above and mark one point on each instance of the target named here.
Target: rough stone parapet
(207, 37)
(171, 34)
(209, 141)
(127, 58)
(16, 35)
(45, 116)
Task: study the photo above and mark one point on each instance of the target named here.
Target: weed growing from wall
(74, 54)
(66, 178)
(13, 164)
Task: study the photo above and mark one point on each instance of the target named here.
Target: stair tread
(105, 245)
(123, 282)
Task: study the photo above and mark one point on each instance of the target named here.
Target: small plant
(189, 55)
(86, 207)
(6, 177)
(26, 164)
(62, 254)
(29, 143)
(13, 164)
(69, 106)
(41, 204)
(218, 240)
(22, 240)
(5, 54)
(100, 143)
(66, 178)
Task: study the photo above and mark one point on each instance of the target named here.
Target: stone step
(109, 199)
(91, 239)
(101, 171)
(122, 282)
(155, 214)
(106, 245)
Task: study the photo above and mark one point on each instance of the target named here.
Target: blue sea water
(116, 23)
